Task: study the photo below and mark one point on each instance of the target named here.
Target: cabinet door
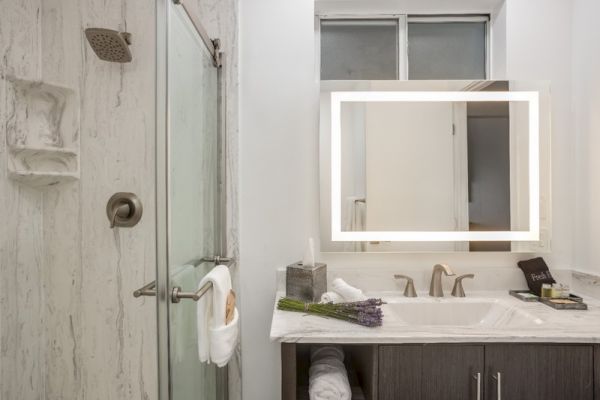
(450, 372)
(400, 372)
(544, 372)
(597, 370)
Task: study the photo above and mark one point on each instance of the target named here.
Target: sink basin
(460, 312)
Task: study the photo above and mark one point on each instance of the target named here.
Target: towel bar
(146, 290)
(150, 288)
(177, 294)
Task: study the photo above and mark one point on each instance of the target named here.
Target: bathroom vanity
(486, 346)
(442, 166)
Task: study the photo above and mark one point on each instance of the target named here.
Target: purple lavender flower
(366, 313)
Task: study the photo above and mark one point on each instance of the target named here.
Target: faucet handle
(409, 290)
(457, 290)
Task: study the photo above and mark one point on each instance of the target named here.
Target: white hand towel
(331, 297)
(349, 293)
(328, 379)
(216, 341)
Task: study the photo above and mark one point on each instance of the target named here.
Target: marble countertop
(550, 326)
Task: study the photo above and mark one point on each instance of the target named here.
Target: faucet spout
(435, 287)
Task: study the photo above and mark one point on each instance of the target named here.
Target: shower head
(109, 45)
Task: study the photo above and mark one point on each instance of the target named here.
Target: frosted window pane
(359, 49)
(454, 50)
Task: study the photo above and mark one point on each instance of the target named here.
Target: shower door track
(213, 45)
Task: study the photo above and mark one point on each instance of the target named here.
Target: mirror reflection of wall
(430, 166)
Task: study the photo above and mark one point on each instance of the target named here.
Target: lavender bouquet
(365, 313)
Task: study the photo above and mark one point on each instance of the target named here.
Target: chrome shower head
(109, 45)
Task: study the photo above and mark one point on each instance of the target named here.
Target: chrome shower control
(124, 210)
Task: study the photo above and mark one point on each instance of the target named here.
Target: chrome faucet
(458, 290)
(409, 290)
(435, 288)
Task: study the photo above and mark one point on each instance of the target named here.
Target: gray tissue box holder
(306, 283)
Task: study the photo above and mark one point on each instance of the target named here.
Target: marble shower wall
(70, 328)
(68, 320)
(22, 341)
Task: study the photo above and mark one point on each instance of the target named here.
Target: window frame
(403, 21)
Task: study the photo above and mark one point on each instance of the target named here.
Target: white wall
(279, 171)
(586, 112)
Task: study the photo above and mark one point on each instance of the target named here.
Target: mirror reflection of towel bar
(150, 288)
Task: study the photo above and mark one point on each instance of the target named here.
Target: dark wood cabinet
(400, 372)
(544, 372)
(450, 372)
(511, 371)
(430, 372)
(597, 371)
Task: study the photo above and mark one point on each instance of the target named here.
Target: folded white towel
(328, 379)
(331, 297)
(349, 293)
(216, 341)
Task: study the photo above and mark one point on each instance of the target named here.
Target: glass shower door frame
(163, 284)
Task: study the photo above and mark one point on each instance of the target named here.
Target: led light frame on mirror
(337, 235)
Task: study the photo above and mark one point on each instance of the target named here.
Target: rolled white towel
(331, 297)
(349, 293)
(319, 352)
(328, 380)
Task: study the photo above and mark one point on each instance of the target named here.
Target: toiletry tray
(524, 295)
(573, 302)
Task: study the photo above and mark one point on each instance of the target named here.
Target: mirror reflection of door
(489, 177)
(488, 133)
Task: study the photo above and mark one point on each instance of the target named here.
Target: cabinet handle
(498, 378)
(477, 377)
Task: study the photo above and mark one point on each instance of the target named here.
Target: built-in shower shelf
(42, 179)
(43, 166)
(42, 134)
(27, 151)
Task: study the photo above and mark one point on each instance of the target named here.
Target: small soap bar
(306, 283)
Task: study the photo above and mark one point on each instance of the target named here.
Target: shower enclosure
(190, 177)
(86, 114)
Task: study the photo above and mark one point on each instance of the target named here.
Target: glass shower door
(192, 204)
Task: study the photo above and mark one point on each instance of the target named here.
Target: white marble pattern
(560, 326)
(22, 340)
(586, 283)
(69, 320)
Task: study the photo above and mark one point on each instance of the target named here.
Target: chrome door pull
(498, 378)
(177, 293)
(477, 377)
(146, 290)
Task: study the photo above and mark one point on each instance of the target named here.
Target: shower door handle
(146, 290)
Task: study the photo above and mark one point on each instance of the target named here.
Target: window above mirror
(404, 47)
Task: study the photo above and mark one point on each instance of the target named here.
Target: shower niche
(42, 133)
